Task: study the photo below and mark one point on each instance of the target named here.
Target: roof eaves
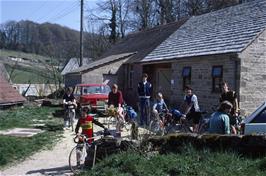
(79, 71)
(106, 63)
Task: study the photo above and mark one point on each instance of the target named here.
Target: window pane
(186, 71)
(217, 71)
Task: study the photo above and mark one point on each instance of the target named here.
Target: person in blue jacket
(144, 92)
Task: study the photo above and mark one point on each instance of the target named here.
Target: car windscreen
(95, 90)
(261, 117)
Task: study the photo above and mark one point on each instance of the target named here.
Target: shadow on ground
(52, 171)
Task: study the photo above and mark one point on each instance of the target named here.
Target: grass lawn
(17, 148)
(189, 162)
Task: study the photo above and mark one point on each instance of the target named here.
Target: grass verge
(17, 148)
(189, 162)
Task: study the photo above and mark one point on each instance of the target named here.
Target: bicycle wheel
(155, 127)
(76, 158)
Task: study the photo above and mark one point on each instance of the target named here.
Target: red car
(94, 95)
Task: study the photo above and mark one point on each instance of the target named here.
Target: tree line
(122, 16)
(111, 20)
(48, 39)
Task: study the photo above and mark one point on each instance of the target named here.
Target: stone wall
(201, 78)
(115, 70)
(131, 93)
(253, 74)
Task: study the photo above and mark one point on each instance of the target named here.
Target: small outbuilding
(8, 95)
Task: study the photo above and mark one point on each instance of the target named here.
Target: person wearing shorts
(192, 110)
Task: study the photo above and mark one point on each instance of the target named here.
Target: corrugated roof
(73, 64)
(8, 95)
(224, 31)
(102, 62)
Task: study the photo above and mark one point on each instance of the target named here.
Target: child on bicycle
(86, 123)
(160, 105)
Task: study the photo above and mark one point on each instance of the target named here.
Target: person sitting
(160, 105)
(220, 122)
(115, 99)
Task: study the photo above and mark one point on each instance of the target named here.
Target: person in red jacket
(86, 123)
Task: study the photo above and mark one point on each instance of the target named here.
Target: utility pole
(81, 33)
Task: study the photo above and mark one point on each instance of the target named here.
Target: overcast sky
(63, 12)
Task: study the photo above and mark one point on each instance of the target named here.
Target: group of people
(223, 121)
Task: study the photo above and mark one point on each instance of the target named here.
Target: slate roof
(229, 30)
(102, 62)
(143, 42)
(73, 64)
(8, 95)
(136, 45)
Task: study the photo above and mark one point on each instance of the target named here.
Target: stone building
(121, 63)
(72, 64)
(228, 44)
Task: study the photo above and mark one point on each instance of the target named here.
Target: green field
(25, 76)
(7, 53)
(21, 74)
(16, 148)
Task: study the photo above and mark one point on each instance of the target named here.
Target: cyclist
(191, 105)
(86, 123)
(229, 95)
(115, 99)
(160, 105)
(68, 99)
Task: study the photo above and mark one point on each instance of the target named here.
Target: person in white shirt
(191, 107)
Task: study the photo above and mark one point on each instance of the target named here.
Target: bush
(188, 162)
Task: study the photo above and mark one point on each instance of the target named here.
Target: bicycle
(79, 156)
(130, 116)
(70, 114)
(156, 125)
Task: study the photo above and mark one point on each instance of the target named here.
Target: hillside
(51, 40)
(24, 68)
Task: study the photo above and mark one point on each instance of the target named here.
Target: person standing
(220, 121)
(68, 100)
(144, 92)
(229, 95)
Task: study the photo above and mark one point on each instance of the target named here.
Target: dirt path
(48, 162)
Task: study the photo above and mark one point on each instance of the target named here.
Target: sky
(63, 12)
